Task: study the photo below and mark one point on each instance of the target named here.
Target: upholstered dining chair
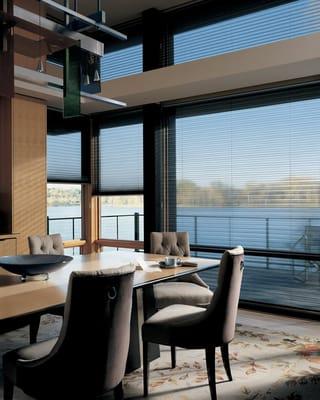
(198, 328)
(88, 359)
(191, 290)
(44, 244)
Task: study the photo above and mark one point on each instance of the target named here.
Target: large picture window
(248, 172)
(226, 29)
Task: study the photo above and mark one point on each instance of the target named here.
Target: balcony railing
(69, 231)
(277, 233)
(288, 280)
(133, 230)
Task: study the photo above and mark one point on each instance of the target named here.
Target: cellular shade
(120, 158)
(225, 29)
(64, 157)
(248, 171)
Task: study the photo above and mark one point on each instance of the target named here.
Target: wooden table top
(22, 298)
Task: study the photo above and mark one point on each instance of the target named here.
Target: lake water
(276, 228)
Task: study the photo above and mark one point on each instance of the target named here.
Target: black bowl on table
(34, 265)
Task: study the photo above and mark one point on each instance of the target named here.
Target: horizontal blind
(122, 58)
(64, 161)
(248, 171)
(120, 158)
(219, 32)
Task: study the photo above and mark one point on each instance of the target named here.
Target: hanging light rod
(105, 100)
(87, 20)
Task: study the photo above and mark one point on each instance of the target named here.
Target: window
(67, 170)
(122, 217)
(248, 172)
(120, 156)
(226, 31)
(64, 210)
(64, 157)
(122, 58)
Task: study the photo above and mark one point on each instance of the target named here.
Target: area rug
(266, 365)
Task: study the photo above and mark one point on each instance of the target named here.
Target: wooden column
(91, 221)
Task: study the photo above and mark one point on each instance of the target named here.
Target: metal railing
(194, 226)
(73, 226)
(136, 223)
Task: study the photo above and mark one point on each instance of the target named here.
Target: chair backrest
(90, 355)
(221, 314)
(47, 244)
(170, 243)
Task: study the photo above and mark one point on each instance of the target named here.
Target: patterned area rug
(266, 365)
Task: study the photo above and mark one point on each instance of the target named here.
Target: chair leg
(173, 357)
(118, 392)
(211, 370)
(145, 370)
(7, 389)
(225, 359)
(34, 328)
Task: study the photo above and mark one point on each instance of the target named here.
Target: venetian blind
(122, 58)
(220, 29)
(247, 171)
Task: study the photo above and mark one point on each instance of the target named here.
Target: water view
(275, 228)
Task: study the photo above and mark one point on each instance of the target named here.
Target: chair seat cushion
(173, 326)
(187, 293)
(27, 353)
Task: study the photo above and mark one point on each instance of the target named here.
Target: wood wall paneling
(8, 247)
(29, 170)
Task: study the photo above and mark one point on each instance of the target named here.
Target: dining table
(21, 300)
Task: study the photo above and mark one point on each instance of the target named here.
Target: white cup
(172, 262)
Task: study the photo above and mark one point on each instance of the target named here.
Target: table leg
(143, 306)
(149, 308)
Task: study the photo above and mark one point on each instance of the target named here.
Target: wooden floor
(277, 286)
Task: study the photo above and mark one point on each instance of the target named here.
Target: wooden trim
(90, 219)
(67, 244)
(125, 244)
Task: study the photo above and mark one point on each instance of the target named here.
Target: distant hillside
(294, 192)
(72, 197)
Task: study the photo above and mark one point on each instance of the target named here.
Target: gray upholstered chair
(89, 357)
(191, 290)
(198, 328)
(44, 244)
(47, 244)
